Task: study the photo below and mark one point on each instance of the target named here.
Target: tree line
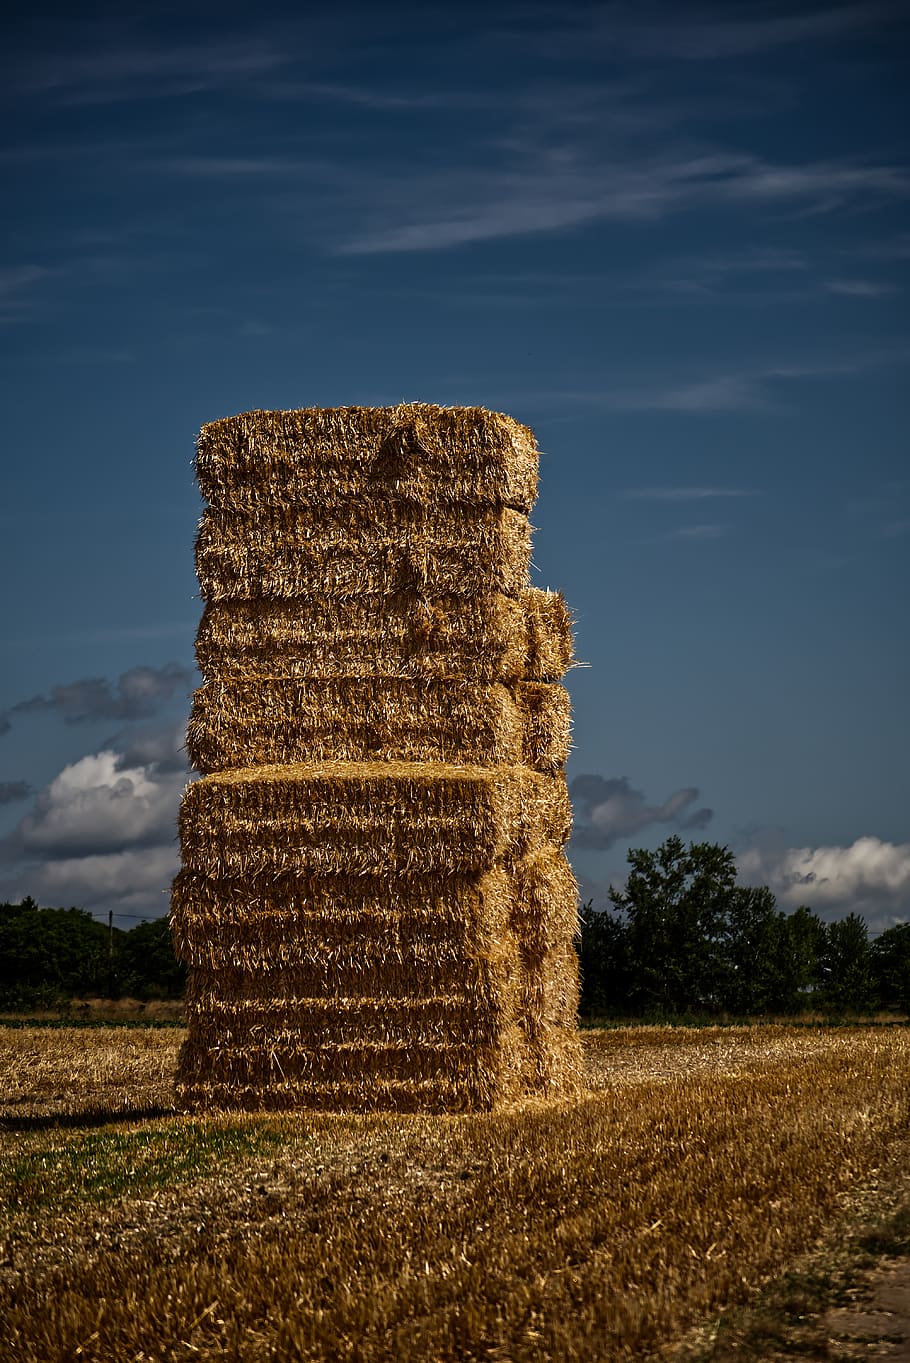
(48, 956)
(683, 938)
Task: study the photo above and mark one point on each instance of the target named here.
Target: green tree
(675, 906)
(603, 963)
(145, 963)
(848, 980)
(891, 967)
(50, 954)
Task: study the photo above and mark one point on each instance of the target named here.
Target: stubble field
(700, 1164)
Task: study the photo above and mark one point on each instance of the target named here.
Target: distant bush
(48, 956)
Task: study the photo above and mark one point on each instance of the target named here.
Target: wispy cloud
(700, 532)
(562, 191)
(137, 694)
(127, 67)
(726, 393)
(608, 809)
(17, 283)
(697, 33)
(686, 494)
(861, 288)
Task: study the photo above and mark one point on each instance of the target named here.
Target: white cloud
(103, 833)
(134, 881)
(96, 805)
(870, 877)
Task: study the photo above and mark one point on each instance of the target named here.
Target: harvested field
(698, 1165)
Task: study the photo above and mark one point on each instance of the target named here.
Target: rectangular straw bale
(554, 1062)
(544, 913)
(327, 1021)
(368, 818)
(354, 1078)
(550, 990)
(458, 550)
(404, 1058)
(268, 720)
(369, 967)
(419, 451)
(291, 920)
(485, 638)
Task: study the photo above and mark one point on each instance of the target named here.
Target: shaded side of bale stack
(374, 903)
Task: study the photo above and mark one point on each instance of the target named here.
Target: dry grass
(699, 1165)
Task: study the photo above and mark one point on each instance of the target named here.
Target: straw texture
(279, 720)
(373, 901)
(415, 452)
(462, 551)
(484, 638)
(369, 818)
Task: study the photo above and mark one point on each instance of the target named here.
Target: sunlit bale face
(374, 903)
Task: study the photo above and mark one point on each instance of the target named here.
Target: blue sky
(673, 239)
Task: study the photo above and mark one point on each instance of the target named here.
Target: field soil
(717, 1193)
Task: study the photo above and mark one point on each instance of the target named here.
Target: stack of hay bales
(374, 902)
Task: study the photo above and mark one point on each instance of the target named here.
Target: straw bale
(555, 1062)
(280, 720)
(545, 902)
(369, 818)
(486, 638)
(368, 969)
(422, 452)
(293, 919)
(364, 1094)
(286, 1058)
(461, 1018)
(550, 991)
(459, 550)
(355, 1076)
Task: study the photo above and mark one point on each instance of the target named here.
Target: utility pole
(110, 953)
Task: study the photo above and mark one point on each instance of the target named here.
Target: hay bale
(485, 638)
(294, 920)
(360, 1093)
(398, 1076)
(279, 969)
(373, 902)
(282, 720)
(461, 1018)
(415, 451)
(378, 818)
(462, 551)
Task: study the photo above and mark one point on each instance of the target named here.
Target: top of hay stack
(416, 451)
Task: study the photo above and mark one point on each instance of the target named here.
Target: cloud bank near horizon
(608, 809)
(138, 693)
